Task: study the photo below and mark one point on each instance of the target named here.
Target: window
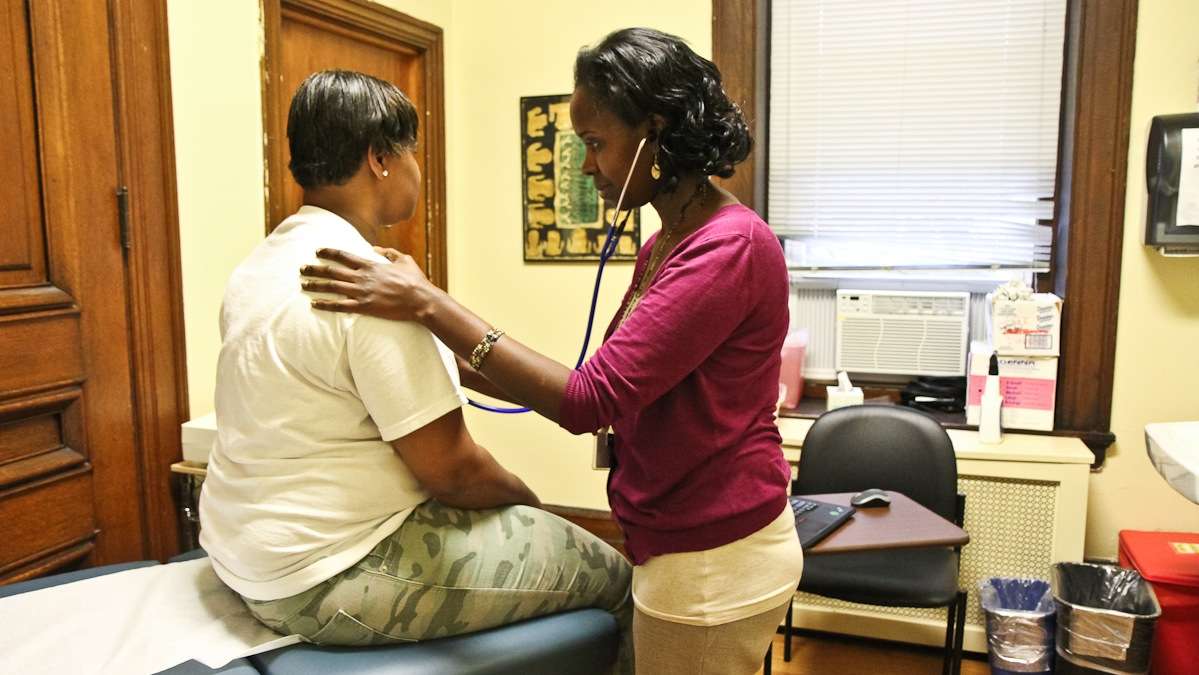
(916, 134)
(912, 141)
(1089, 212)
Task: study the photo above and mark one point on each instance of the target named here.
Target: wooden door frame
(158, 361)
(360, 16)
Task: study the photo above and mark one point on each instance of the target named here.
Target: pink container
(795, 348)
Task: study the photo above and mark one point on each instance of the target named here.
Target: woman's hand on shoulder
(389, 253)
(396, 290)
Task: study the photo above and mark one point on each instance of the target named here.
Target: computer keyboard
(816, 520)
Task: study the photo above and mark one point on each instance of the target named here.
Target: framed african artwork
(564, 216)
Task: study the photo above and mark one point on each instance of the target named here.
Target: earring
(655, 170)
(385, 173)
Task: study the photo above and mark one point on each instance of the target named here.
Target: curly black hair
(335, 116)
(638, 72)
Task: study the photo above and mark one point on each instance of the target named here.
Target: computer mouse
(870, 498)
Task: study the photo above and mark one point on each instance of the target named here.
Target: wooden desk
(903, 524)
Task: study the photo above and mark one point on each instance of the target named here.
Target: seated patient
(345, 500)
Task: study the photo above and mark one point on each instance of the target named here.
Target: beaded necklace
(657, 256)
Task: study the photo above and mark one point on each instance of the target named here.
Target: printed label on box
(1017, 392)
(1029, 327)
(1042, 341)
(1028, 385)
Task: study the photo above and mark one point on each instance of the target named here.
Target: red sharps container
(1169, 561)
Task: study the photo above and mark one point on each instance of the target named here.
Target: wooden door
(305, 36)
(71, 483)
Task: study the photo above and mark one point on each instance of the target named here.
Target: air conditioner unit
(902, 332)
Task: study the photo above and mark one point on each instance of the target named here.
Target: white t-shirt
(302, 482)
(743, 578)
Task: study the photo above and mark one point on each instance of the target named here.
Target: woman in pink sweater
(687, 377)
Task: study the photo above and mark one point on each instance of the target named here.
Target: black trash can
(1105, 619)
(1020, 625)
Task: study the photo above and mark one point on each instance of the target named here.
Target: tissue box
(1031, 327)
(840, 399)
(1028, 386)
(197, 437)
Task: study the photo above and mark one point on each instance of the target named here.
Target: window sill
(794, 424)
(1016, 447)
(810, 408)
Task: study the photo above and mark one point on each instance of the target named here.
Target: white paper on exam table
(138, 621)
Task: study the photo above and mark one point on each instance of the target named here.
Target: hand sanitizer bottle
(989, 429)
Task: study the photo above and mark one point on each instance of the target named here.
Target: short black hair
(638, 72)
(335, 116)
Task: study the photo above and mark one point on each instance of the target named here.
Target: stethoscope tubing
(611, 241)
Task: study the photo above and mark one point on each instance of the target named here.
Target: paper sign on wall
(1188, 181)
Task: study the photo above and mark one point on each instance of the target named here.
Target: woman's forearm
(477, 382)
(530, 378)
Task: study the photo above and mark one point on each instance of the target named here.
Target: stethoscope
(606, 251)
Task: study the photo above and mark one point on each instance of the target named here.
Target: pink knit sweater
(689, 383)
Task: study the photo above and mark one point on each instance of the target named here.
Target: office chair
(893, 448)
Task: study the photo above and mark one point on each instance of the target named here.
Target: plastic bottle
(989, 428)
(795, 348)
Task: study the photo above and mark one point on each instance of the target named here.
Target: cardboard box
(1028, 386)
(1030, 327)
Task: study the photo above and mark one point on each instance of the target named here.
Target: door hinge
(123, 216)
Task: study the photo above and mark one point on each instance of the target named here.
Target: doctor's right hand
(389, 253)
(398, 290)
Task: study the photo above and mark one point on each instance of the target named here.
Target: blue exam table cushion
(582, 642)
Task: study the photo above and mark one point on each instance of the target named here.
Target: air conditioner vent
(902, 332)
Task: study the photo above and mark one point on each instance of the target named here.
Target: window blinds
(914, 134)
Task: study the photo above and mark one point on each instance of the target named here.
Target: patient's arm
(455, 470)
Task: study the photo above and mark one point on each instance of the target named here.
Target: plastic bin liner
(1019, 614)
(1105, 617)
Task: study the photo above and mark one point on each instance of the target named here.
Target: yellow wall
(1156, 363)
(216, 91)
(506, 50)
(499, 51)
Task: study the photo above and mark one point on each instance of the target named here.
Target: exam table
(582, 642)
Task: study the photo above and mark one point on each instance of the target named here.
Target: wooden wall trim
(64, 504)
(1089, 279)
(1090, 238)
(736, 25)
(272, 84)
(400, 30)
(46, 296)
(374, 18)
(53, 562)
(158, 352)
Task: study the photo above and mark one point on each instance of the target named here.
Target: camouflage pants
(450, 571)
